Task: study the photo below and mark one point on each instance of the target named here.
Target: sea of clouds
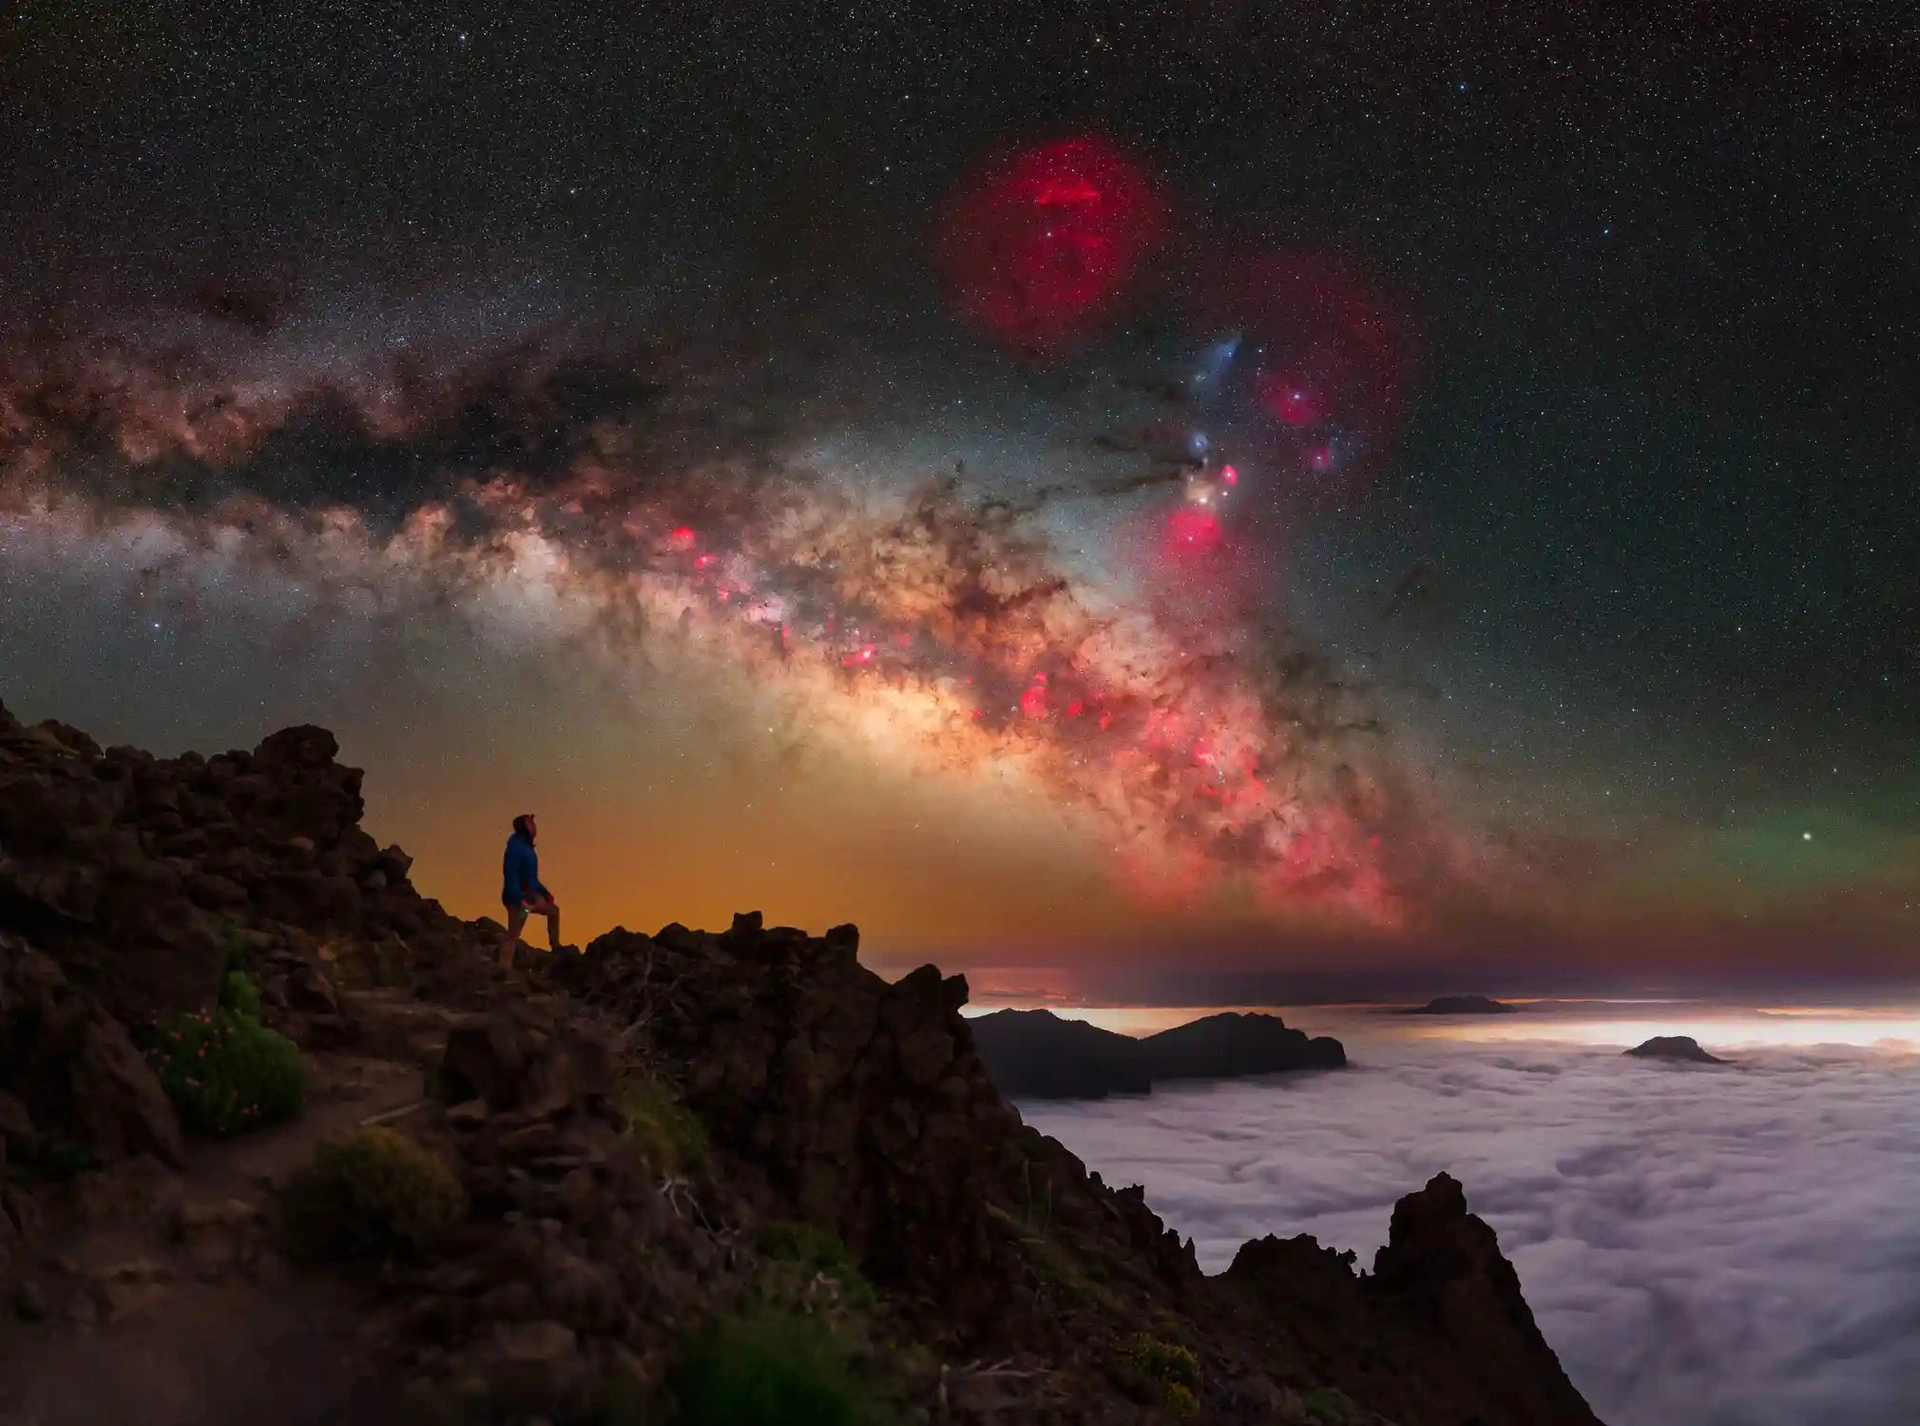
(1702, 1245)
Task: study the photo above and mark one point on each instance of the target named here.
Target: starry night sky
(1626, 586)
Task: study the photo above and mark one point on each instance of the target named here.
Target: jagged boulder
(134, 872)
(514, 1061)
(1443, 1266)
(858, 1103)
(1439, 1332)
(70, 1074)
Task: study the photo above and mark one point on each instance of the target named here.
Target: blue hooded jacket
(521, 868)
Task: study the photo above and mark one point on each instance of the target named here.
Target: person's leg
(516, 919)
(552, 914)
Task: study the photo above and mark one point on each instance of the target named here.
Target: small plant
(226, 1072)
(802, 1259)
(373, 1193)
(1328, 1406)
(434, 1080)
(817, 1250)
(227, 932)
(239, 994)
(669, 1133)
(767, 1370)
(1163, 1361)
(1173, 1367)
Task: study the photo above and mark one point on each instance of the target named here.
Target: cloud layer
(1731, 1247)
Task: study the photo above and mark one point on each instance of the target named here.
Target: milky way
(1204, 743)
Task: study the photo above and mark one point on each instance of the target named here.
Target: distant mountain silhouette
(1035, 1054)
(1228, 1045)
(1462, 1005)
(1674, 1047)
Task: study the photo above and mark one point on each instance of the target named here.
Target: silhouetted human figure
(523, 895)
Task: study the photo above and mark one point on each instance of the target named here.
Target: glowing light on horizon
(1715, 1032)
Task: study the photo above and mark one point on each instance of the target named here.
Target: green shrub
(1173, 1367)
(226, 1072)
(434, 1080)
(1327, 1405)
(767, 1370)
(373, 1193)
(1166, 1362)
(239, 994)
(817, 1251)
(227, 932)
(670, 1134)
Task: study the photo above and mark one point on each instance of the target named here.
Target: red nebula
(1294, 399)
(1329, 350)
(1033, 703)
(1039, 247)
(1192, 531)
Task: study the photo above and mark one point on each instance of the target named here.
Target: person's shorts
(513, 903)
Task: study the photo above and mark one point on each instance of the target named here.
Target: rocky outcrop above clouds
(1035, 1054)
(1462, 1005)
(1229, 1045)
(1681, 1049)
(625, 1138)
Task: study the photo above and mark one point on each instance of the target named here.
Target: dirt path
(170, 1307)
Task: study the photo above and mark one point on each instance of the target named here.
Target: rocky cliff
(634, 1138)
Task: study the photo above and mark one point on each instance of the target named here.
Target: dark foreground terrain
(628, 1184)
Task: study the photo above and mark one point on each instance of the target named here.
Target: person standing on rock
(523, 895)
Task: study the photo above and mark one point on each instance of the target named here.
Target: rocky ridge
(1008, 1284)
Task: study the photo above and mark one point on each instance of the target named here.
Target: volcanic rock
(512, 1062)
(73, 1079)
(1683, 1048)
(1462, 1005)
(622, 1122)
(1443, 1266)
